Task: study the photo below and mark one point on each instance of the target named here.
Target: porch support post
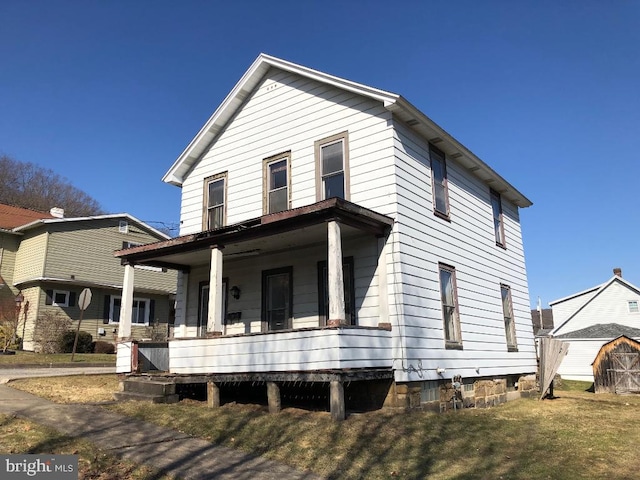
(213, 395)
(273, 397)
(214, 320)
(335, 283)
(383, 284)
(181, 304)
(336, 400)
(126, 303)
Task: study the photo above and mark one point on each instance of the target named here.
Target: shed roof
(603, 330)
(393, 102)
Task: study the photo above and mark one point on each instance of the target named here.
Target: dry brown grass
(73, 389)
(579, 435)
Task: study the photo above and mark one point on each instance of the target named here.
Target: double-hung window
(449, 299)
(439, 182)
(509, 325)
(332, 167)
(140, 314)
(277, 183)
(498, 223)
(215, 200)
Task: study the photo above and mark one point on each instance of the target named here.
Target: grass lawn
(21, 437)
(30, 358)
(577, 435)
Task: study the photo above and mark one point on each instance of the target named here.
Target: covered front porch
(304, 291)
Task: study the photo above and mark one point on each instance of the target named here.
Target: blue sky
(108, 94)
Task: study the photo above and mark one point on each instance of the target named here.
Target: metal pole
(75, 341)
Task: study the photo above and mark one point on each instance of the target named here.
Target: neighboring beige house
(50, 259)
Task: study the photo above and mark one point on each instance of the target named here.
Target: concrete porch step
(148, 387)
(146, 397)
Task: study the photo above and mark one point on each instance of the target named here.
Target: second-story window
(498, 224)
(215, 191)
(277, 183)
(439, 180)
(332, 167)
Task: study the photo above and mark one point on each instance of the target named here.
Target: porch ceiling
(281, 231)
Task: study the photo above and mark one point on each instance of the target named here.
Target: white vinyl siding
(288, 113)
(389, 172)
(247, 273)
(608, 306)
(468, 243)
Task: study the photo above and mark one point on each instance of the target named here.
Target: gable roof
(12, 217)
(396, 104)
(124, 216)
(600, 289)
(603, 330)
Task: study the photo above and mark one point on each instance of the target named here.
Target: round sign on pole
(85, 299)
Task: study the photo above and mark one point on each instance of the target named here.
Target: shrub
(101, 346)
(47, 331)
(85, 342)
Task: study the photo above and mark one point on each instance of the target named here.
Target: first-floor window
(141, 310)
(507, 310)
(449, 299)
(60, 298)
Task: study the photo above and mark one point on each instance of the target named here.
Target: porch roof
(181, 252)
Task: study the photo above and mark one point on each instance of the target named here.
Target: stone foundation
(486, 393)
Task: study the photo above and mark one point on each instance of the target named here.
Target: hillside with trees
(26, 185)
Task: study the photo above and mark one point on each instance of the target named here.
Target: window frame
(637, 307)
(67, 295)
(266, 187)
(319, 144)
(498, 229)
(456, 342)
(433, 152)
(205, 201)
(509, 319)
(147, 310)
(123, 226)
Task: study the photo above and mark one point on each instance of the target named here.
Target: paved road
(167, 450)
(7, 374)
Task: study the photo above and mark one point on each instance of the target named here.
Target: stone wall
(490, 393)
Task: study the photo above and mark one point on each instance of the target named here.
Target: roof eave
(435, 134)
(129, 217)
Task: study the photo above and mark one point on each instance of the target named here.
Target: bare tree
(9, 319)
(30, 186)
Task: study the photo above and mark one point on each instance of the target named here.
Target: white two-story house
(333, 233)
